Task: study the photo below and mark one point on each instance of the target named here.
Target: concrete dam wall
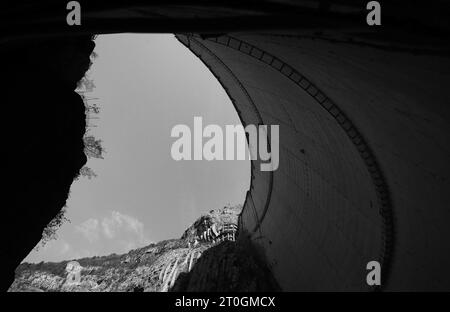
(363, 158)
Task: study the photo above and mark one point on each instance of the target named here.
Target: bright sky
(146, 84)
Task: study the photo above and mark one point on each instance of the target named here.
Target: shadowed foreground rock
(43, 126)
(230, 266)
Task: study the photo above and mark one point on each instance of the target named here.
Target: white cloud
(120, 224)
(118, 227)
(65, 247)
(89, 229)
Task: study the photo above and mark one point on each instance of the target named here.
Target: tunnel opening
(353, 113)
(316, 131)
(137, 89)
(129, 121)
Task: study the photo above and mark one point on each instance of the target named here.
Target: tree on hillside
(87, 172)
(93, 147)
(50, 230)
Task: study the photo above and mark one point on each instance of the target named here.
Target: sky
(145, 85)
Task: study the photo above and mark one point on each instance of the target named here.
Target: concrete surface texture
(363, 158)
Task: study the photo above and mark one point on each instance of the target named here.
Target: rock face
(192, 263)
(218, 225)
(43, 127)
(228, 266)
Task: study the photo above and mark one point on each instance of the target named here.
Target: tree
(52, 227)
(93, 147)
(92, 108)
(87, 172)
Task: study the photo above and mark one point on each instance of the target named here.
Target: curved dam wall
(363, 171)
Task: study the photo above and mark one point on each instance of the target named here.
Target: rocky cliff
(43, 126)
(209, 256)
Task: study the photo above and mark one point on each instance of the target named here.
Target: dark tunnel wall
(323, 214)
(44, 125)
